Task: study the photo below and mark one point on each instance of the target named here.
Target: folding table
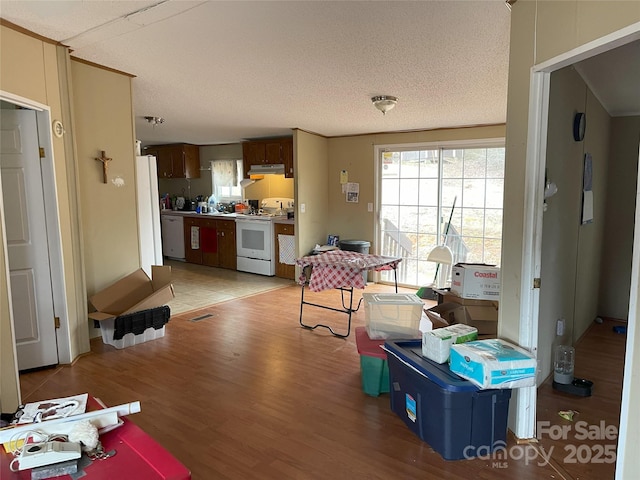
(342, 270)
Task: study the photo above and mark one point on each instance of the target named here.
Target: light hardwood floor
(247, 393)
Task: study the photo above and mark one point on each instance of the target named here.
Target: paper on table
(55, 408)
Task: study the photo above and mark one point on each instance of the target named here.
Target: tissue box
(437, 343)
(493, 363)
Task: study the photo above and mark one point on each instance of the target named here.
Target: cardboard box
(493, 363)
(437, 343)
(476, 281)
(134, 293)
(481, 314)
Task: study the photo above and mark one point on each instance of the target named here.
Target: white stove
(255, 236)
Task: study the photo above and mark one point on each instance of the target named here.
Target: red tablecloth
(342, 268)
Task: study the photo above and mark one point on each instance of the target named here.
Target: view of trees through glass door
(421, 189)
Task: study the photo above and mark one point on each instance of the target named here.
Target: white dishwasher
(173, 236)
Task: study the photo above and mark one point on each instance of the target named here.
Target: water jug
(563, 364)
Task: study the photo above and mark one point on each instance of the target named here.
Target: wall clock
(579, 126)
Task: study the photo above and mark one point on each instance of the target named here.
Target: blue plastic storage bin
(451, 414)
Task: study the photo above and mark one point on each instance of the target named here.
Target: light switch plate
(369, 207)
(303, 207)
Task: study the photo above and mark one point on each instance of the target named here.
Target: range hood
(267, 168)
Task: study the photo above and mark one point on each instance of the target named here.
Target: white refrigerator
(148, 206)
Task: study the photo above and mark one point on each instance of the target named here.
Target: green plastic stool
(374, 368)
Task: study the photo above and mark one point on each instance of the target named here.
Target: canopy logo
(579, 446)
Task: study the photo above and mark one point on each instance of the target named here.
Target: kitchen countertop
(230, 216)
(192, 213)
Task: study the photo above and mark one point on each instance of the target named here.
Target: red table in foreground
(342, 270)
(138, 456)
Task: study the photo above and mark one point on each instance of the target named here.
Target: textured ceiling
(219, 72)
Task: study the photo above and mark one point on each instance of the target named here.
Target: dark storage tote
(360, 246)
(451, 414)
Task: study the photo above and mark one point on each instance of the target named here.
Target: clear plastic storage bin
(392, 315)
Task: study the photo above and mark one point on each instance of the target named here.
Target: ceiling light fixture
(384, 103)
(154, 120)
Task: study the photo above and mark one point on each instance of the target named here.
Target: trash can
(360, 246)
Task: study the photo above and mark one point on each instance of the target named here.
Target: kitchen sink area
(248, 242)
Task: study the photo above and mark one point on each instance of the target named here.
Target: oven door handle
(252, 222)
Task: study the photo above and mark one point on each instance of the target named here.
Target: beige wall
(539, 30)
(616, 258)
(30, 69)
(103, 121)
(571, 252)
(311, 167)
(356, 154)
(23, 67)
(270, 186)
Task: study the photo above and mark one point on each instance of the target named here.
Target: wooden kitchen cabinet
(192, 255)
(227, 244)
(178, 160)
(272, 151)
(209, 241)
(282, 269)
(216, 241)
(287, 157)
(253, 153)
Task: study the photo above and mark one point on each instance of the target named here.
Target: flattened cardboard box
(134, 293)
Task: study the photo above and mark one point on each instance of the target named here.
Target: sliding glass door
(440, 194)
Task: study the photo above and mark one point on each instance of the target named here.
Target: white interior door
(29, 267)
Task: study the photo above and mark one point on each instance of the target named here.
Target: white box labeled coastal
(437, 343)
(493, 363)
(476, 281)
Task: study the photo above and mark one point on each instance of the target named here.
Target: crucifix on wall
(105, 165)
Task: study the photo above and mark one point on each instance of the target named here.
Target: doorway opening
(532, 238)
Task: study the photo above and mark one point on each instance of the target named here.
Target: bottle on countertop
(213, 204)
